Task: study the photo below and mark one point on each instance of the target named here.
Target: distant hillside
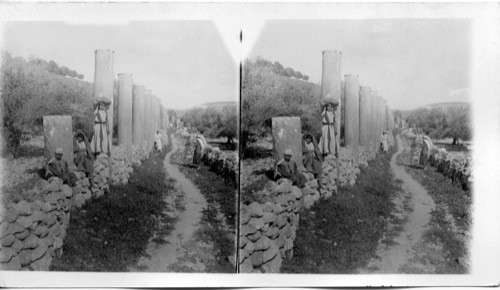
(444, 106)
(216, 105)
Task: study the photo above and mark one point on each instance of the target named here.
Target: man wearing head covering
(287, 168)
(59, 167)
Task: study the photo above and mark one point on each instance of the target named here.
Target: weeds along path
(179, 251)
(409, 251)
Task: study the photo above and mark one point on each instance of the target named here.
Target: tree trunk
(455, 141)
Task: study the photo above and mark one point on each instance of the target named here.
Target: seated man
(59, 167)
(287, 168)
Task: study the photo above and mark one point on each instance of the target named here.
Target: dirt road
(180, 251)
(405, 247)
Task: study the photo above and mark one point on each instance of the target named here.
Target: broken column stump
(287, 134)
(58, 132)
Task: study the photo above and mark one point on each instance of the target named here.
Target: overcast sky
(410, 62)
(184, 63)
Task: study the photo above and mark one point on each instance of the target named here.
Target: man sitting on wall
(287, 168)
(60, 168)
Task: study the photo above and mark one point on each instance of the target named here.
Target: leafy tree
(278, 68)
(53, 67)
(289, 72)
(298, 75)
(80, 76)
(453, 122)
(305, 77)
(460, 126)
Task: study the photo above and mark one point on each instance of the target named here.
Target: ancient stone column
(138, 115)
(384, 115)
(125, 113)
(365, 115)
(287, 134)
(352, 114)
(147, 118)
(58, 132)
(373, 125)
(380, 104)
(342, 112)
(103, 82)
(331, 84)
(104, 86)
(157, 114)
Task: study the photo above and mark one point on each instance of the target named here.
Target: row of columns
(140, 113)
(365, 114)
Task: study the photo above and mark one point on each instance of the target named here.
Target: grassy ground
(451, 221)
(340, 235)
(112, 232)
(218, 220)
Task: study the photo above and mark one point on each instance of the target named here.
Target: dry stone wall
(456, 166)
(121, 166)
(268, 229)
(224, 164)
(32, 232)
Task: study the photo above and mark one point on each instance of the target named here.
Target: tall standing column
(331, 84)
(125, 113)
(384, 115)
(138, 115)
(155, 115)
(365, 115)
(147, 118)
(352, 114)
(379, 119)
(342, 111)
(103, 86)
(374, 118)
(158, 114)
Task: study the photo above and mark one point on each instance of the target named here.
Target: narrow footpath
(180, 251)
(404, 247)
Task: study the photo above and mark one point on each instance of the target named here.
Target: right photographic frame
(356, 147)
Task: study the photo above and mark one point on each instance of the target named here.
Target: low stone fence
(268, 229)
(457, 167)
(224, 164)
(32, 232)
(101, 175)
(122, 168)
(140, 153)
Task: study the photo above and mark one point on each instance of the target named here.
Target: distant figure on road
(384, 146)
(198, 147)
(158, 145)
(100, 142)
(59, 167)
(312, 157)
(287, 168)
(327, 143)
(424, 154)
(84, 157)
